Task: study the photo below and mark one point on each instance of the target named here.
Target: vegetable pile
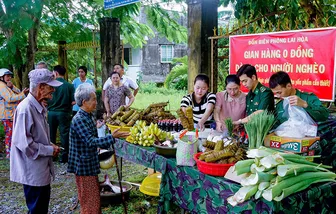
(275, 175)
(258, 127)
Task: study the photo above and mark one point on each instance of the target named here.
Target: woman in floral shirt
(10, 96)
(115, 95)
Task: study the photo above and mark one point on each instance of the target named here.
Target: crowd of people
(31, 118)
(210, 110)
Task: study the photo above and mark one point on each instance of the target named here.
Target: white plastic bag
(299, 123)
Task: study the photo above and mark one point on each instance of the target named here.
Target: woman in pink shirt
(231, 103)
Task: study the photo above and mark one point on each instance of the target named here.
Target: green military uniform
(59, 115)
(327, 146)
(315, 108)
(261, 98)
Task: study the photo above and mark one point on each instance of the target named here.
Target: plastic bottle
(160, 124)
(168, 126)
(180, 127)
(175, 125)
(163, 125)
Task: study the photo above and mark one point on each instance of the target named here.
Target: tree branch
(259, 18)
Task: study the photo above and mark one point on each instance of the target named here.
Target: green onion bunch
(275, 175)
(258, 127)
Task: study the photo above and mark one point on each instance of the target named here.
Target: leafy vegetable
(257, 128)
(275, 175)
(229, 126)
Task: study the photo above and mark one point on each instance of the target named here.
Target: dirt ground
(64, 195)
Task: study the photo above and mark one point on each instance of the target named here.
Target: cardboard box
(295, 145)
(308, 154)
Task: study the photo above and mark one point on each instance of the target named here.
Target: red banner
(308, 56)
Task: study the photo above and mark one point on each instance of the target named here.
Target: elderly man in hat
(31, 154)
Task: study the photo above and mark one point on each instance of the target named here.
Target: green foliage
(2, 132)
(295, 14)
(182, 83)
(73, 21)
(133, 32)
(151, 87)
(16, 18)
(166, 23)
(178, 76)
(223, 66)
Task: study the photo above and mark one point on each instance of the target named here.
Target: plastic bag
(186, 148)
(299, 123)
(101, 131)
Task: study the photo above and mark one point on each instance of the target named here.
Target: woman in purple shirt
(231, 103)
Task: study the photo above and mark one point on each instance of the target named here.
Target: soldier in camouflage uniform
(281, 85)
(259, 97)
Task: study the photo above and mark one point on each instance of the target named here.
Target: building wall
(152, 70)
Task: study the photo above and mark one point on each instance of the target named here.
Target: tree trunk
(31, 49)
(109, 44)
(62, 57)
(18, 69)
(202, 19)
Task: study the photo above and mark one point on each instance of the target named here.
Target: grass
(142, 100)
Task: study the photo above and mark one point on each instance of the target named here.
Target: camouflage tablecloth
(327, 133)
(200, 193)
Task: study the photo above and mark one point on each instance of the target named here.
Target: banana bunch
(147, 135)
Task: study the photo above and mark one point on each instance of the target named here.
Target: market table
(199, 193)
